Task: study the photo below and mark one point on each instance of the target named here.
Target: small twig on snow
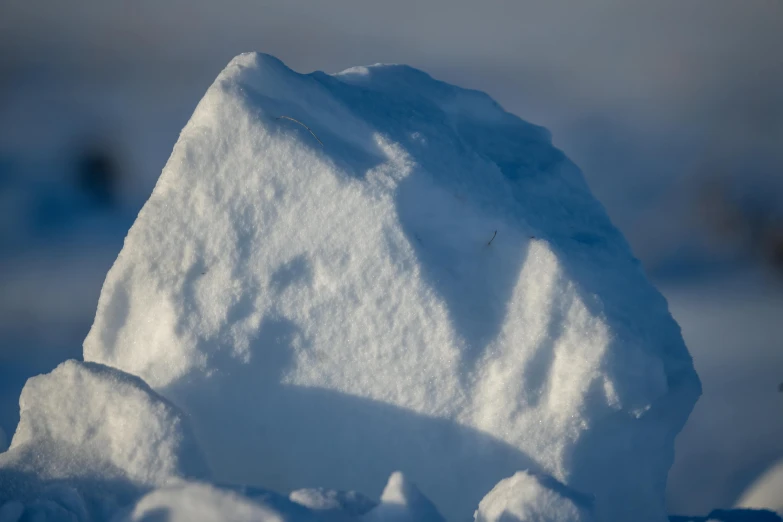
(303, 125)
(493, 238)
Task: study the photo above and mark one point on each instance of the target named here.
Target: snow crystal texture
(339, 276)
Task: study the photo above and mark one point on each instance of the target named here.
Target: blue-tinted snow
(428, 285)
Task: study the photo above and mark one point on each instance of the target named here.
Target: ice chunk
(525, 497)
(402, 501)
(86, 421)
(338, 276)
(193, 502)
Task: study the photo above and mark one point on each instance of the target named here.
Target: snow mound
(339, 276)
(766, 492)
(526, 497)
(192, 502)
(331, 504)
(88, 422)
(402, 501)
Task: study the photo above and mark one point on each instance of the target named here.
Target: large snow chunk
(341, 276)
(525, 497)
(91, 422)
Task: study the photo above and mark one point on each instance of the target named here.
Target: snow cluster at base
(340, 276)
(92, 429)
(92, 419)
(528, 497)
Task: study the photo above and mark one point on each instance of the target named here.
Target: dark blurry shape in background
(751, 223)
(98, 176)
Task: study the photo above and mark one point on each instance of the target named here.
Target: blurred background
(674, 111)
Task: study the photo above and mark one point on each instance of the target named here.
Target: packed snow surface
(339, 276)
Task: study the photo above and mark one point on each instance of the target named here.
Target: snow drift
(339, 276)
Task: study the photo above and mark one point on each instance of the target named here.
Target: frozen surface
(97, 429)
(526, 497)
(402, 501)
(419, 281)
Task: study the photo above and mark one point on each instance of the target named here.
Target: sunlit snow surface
(337, 277)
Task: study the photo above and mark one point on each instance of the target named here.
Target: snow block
(338, 276)
(527, 497)
(92, 425)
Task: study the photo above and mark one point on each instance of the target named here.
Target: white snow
(527, 497)
(402, 501)
(433, 289)
(766, 492)
(88, 423)
(333, 504)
